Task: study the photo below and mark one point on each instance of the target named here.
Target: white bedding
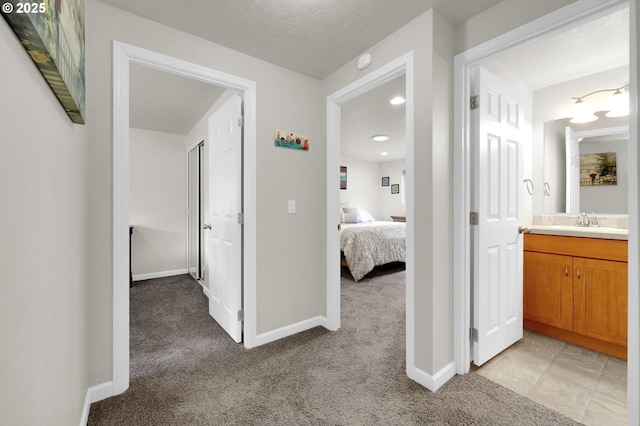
(370, 244)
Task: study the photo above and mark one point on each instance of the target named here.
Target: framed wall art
(52, 33)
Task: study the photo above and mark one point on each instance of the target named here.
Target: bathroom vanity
(575, 286)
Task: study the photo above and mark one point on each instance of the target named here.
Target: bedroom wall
(158, 200)
(44, 358)
(282, 174)
(391, 204)
(363, 181)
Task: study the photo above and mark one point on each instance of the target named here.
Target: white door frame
(555, 22)
(124, 55)
(387, 72)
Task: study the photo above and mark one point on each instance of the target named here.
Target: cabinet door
(548, 289)
(600, 299)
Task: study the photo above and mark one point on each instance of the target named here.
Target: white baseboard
(161, 274)
(94, 394)
(290, 330)
(433, 383)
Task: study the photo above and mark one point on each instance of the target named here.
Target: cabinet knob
(566, 270)
(578, 271)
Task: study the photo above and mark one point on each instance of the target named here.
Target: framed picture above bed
(343, 177)
(385, 181)
(395, 188)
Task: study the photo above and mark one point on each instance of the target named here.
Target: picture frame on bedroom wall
(385, 181)
(395, 188)
(343, 177)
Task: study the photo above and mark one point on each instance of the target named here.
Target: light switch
(292, 206)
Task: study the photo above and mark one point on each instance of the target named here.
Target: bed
(365, 245)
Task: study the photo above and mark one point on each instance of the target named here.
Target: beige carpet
(185, 371)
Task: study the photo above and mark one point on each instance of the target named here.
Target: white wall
(365, 190)
(43, 249)
(363, 181)
(282, 174)
(391, 204)
(158, 203)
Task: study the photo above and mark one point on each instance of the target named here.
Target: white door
(573, 171)
(498, 199)
(225, 208)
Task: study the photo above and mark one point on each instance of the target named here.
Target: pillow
(355, 215)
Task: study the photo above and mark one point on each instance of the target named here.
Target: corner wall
(43, 248)
(430, 37)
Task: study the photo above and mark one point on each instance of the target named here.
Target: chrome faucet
(583, 220)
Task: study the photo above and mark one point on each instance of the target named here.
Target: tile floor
(590, 387)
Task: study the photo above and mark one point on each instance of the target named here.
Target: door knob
(207, 226)
(523, 230)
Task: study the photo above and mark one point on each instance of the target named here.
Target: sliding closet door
(195, 213)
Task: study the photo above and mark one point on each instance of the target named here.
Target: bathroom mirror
(576, 178)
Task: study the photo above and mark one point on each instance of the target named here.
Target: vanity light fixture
(398, 100)
(618, 105)
(384, 153)
(380, 138)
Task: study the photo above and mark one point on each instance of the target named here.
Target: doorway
(555, 23)
(401, 66)
(123, 56)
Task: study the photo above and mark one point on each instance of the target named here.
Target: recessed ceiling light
(398, 100)
(384, 153)
(380, 138)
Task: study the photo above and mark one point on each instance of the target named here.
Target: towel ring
(529, 184)
(547, 189)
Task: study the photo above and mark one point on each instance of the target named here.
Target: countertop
(580, 231)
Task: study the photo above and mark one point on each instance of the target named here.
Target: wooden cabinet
(575, 289)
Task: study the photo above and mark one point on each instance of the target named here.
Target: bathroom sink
(580, 231)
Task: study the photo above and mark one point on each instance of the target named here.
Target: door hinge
(241, 121)
(474, 218)
(241, 218)
(241, 315)
(473, 334)
(475, 102)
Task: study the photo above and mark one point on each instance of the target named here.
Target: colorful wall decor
(598, 169)
(52, 33)
(291, 140)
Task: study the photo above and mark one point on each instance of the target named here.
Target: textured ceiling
(590, 48)
(313, 37)
(371, 114)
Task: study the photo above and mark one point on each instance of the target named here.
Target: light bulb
(581, 113)
(619, 104)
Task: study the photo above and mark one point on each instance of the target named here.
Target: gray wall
(43, 249)
(158, 202)
(282, 174)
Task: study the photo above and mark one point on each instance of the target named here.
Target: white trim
(161, 274)
(290, 330)
(433, 383)
(633, 339)
(402, 65)
(124, 55)
(555, 22)
(94, 394)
